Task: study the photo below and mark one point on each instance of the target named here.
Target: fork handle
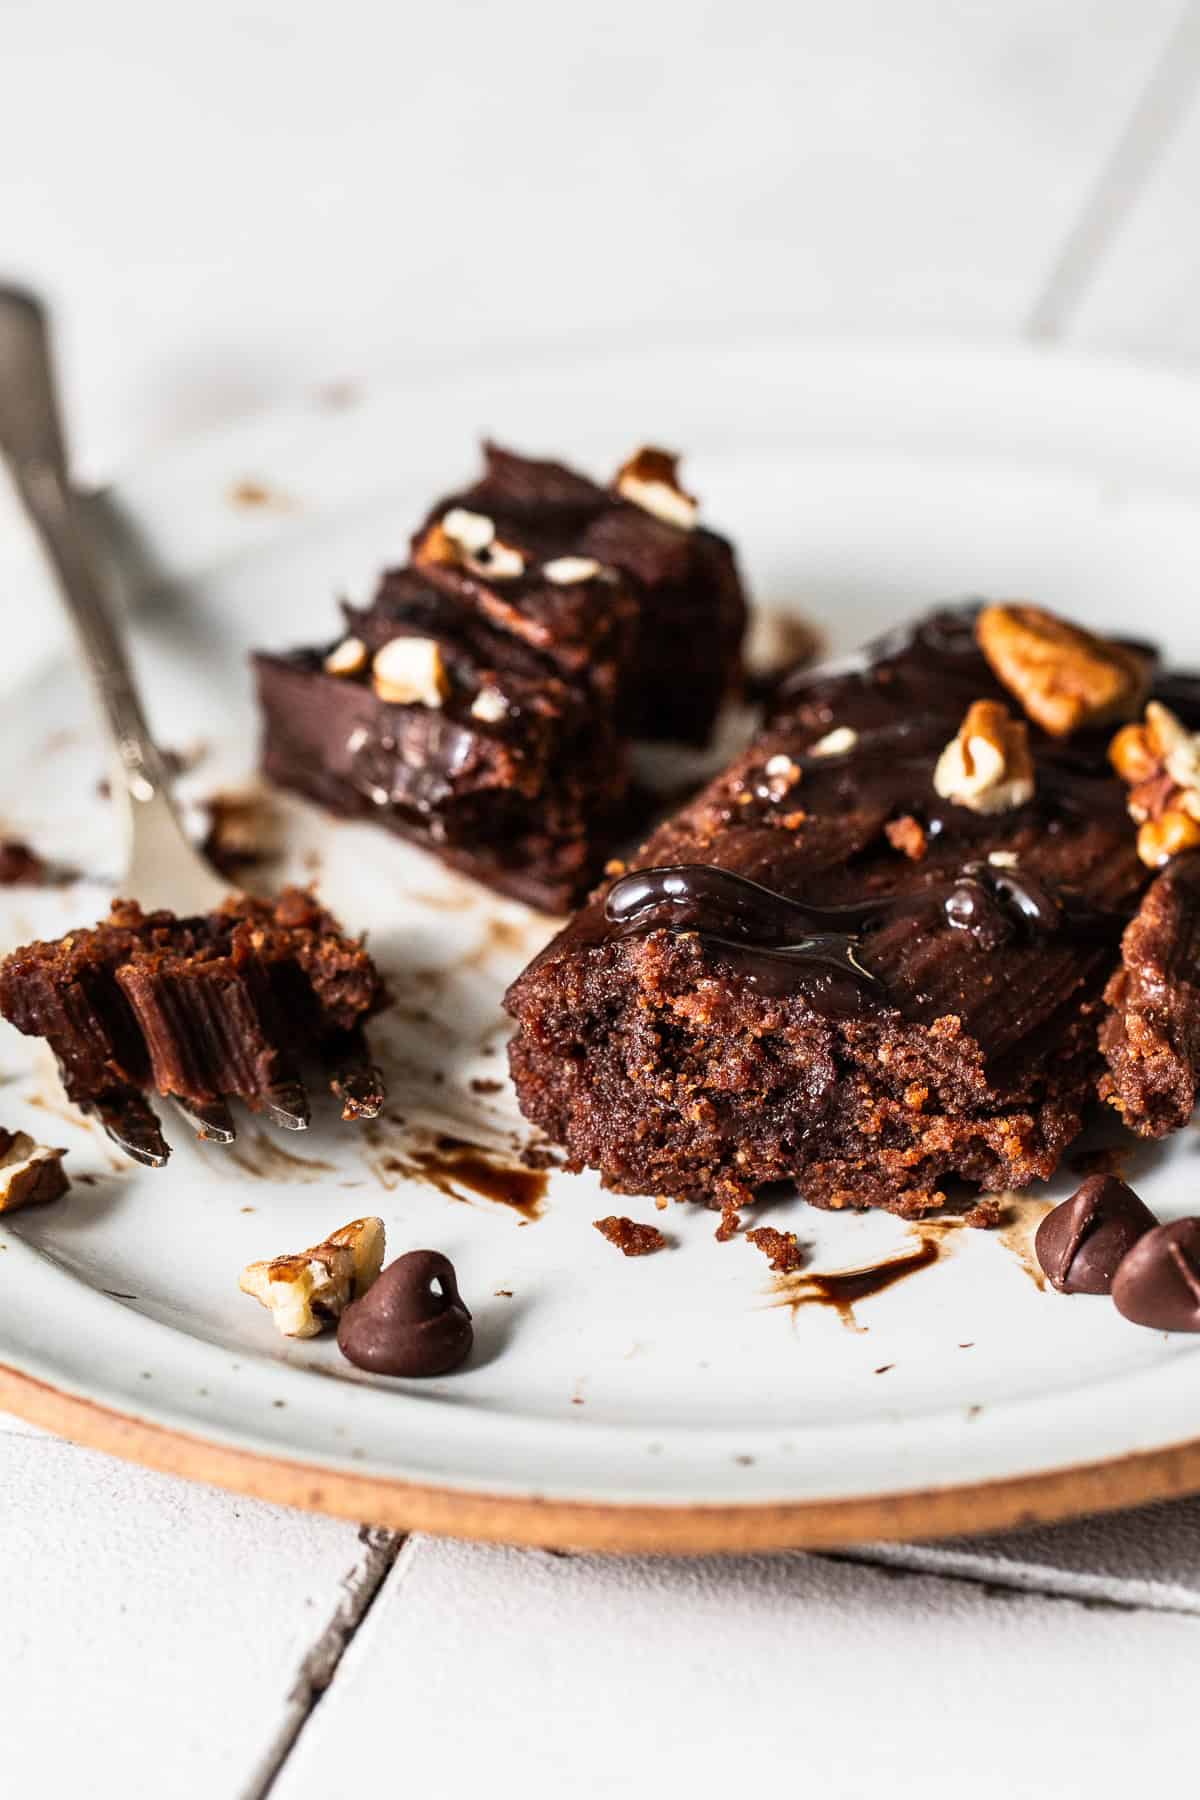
(162, 868)
(31, 439)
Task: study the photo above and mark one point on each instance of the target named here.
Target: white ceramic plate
(671, 1401)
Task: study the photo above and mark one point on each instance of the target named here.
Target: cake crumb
(986, 1214)
(781, 1248)
(482, 1084)
(630, 1238)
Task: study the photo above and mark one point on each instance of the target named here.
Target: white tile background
(232, 203)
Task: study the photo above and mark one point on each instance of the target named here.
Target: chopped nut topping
(309, 1291)
(29, 1173)
(489, 705)
(835, 743)
(1003, 859)
(650, 479)
(1160, 839)
(781, 774)
(472, 532)
(907, 835)
(468, 540)
(409, 671)
(1063, 676)
(565, 571)
(1160, 759)
(348, 658)
(987, 767)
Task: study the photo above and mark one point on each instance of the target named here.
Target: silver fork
(163, 870)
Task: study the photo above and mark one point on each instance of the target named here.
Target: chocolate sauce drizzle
(786, 945)
(781, 944)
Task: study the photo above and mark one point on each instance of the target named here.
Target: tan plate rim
(536, 1522)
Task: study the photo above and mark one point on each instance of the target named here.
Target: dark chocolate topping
(1081, 1243)
(777, 942)
(1158, 1283)
(411, 1322)
(788, 945)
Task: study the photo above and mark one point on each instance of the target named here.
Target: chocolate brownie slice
(865, 958)
(198, 1008)
(619, 586)
(1151, 1036)
(430, 719)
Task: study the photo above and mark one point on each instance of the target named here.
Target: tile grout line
(1033, 1583)
(1159, 110)
(363, 1585)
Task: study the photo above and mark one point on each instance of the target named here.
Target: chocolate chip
(411, 1322)
(1081, 1243)
(1158, 1284)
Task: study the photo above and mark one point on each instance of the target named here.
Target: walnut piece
(565, 571)
(489, 705)
(409, 671)
(307, 1292)
(1160, 760)
(467, 540)
(1063, 676)
(30, 1173)
(987, 767)
(650, 479)
(347, 658)
(907, 835)
(837, 742)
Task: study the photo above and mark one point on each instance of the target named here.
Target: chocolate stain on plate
(1019, 1230)
(452, 1164)
(501, 937)
(841, 1289)
(260, 1156)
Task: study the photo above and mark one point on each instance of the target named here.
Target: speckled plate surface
(679, 1401)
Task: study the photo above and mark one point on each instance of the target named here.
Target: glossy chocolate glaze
(780, 944)
(786, 945)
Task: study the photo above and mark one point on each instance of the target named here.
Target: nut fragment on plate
(347, 658)
(409, 671)
(1160, 760)
(650, 479)
(307, 1292)
(1063, 676)
(30, 1173)
(468, 540)
(988, 766)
